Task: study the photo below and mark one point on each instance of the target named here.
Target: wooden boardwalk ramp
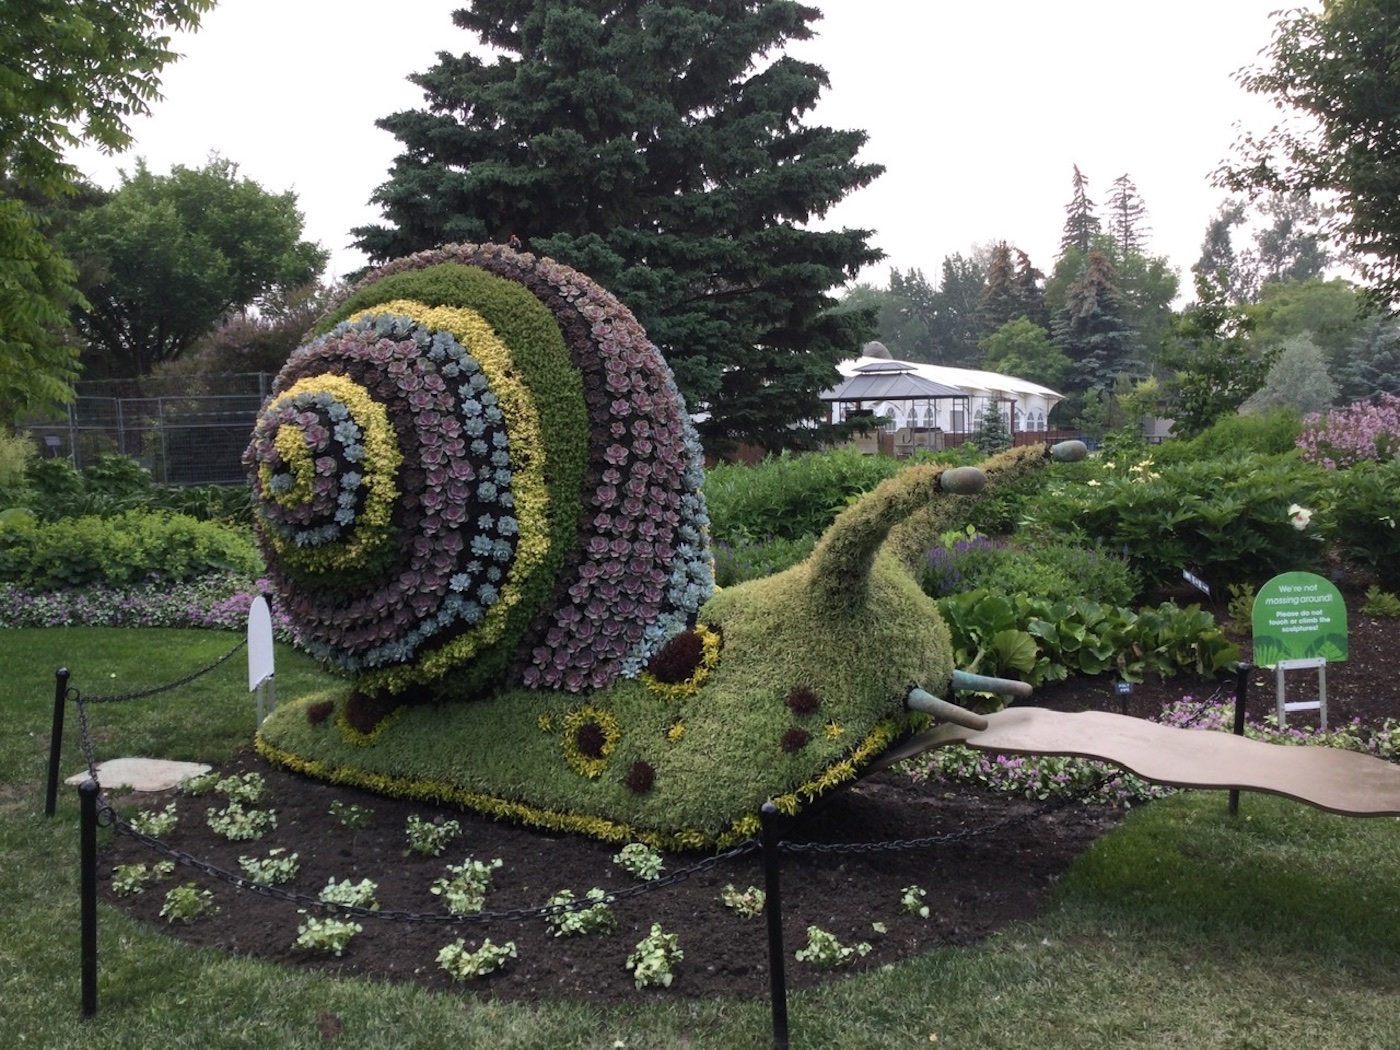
(1339, 781)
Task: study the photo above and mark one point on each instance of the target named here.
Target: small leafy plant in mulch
(651, 961)
(640, 860)
(463, 965)
(596, 918)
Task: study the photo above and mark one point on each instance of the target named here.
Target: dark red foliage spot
(590, 739)
(319, 712)
(678, 659)
(795, 739)
(640, 777)
(364, 711)
(802, 701)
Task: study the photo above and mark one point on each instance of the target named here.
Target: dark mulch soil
(976, 885)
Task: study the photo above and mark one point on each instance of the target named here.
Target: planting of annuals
(478, 485)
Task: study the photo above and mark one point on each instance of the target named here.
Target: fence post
(87, 792)
(1241, 692)
(773, 907)
(60, 698)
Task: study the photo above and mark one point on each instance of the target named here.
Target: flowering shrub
(219, 601)
(1343, 437)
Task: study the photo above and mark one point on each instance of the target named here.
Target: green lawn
(1185, 928)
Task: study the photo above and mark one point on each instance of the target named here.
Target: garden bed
(975, 887)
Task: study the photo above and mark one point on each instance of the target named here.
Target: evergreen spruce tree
(1030, 292)
(1081, 224)
(1091, 330)
(991, 434)
(1000, 301)
(1372, 362)
(654, 146)
(1127, 218)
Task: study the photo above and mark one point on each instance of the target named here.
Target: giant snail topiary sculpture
(479, 496)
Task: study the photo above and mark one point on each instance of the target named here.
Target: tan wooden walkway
(1344, 782)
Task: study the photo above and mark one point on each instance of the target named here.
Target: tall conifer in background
(1091, 330)
(660, 147)
(1127, 218)
(1081, 224)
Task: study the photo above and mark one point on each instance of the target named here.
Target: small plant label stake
(260, 659)
(1300, 622)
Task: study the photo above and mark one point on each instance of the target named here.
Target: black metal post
(60, 698)
(773, 907)
(87, 792)
(1241, 692)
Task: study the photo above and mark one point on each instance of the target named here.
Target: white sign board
(259, 643)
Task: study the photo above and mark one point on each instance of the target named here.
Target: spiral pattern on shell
(480, 474)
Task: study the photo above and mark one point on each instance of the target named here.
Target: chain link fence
(185, 431)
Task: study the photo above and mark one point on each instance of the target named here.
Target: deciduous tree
(169, 255)
(1335, 66)
(1216, 367)
(1022, 348)
(72, 71)
(655, 146)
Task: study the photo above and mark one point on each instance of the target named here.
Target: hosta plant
(350, 894)
(128, 879)
(652, 959)
(596, 918)
(249, 789)
(464, 890)
(329, 936)
(156, 823)
(351, 815)
(201, 784)
(464, 965)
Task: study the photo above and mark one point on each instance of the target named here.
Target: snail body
(477, 485)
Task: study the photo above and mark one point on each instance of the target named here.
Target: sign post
(1300, 622)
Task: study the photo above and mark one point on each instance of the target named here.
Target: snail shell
(479, 473)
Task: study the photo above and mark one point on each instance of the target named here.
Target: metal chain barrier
(948, 838)
(154, 690)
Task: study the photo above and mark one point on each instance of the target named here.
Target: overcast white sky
(977, 110)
